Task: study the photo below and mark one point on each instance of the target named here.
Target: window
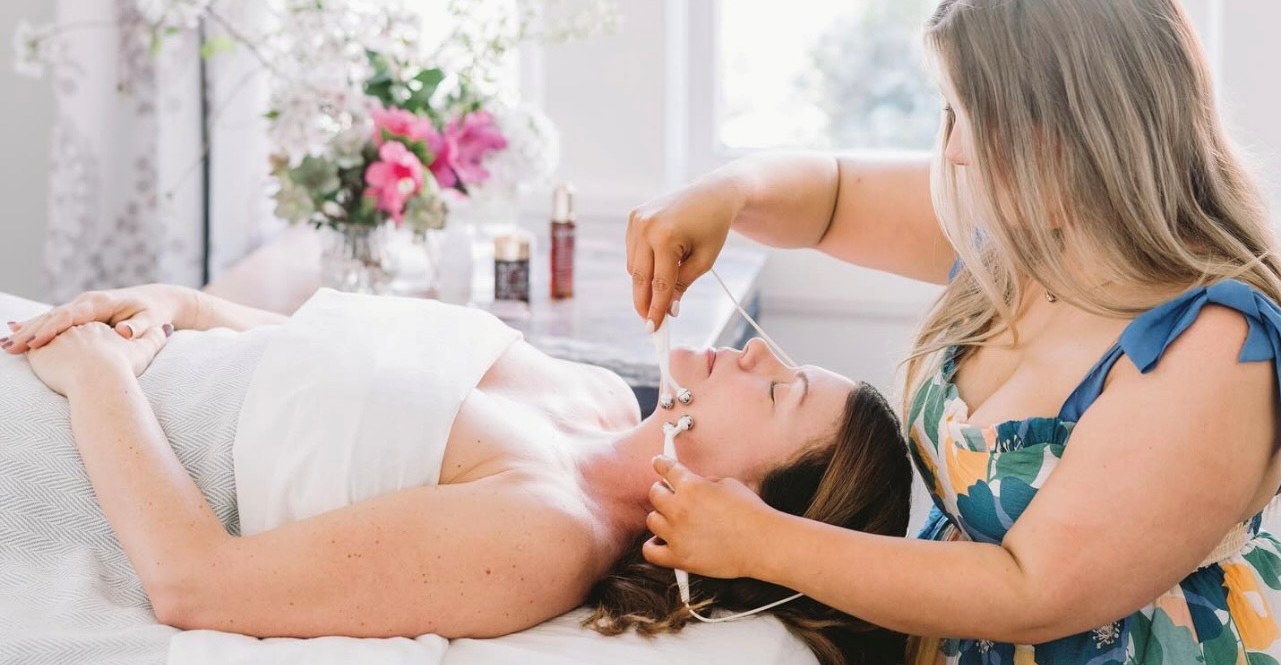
(821, 74)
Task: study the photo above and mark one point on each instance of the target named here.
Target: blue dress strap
(1147, 337)
(956, 267)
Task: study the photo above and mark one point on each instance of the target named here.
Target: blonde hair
(1094, 134)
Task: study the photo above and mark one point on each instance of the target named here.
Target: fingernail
(168, 328)
(649, 327)
(675, 309)
(133, 332)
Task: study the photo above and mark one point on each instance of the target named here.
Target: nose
(757, 354)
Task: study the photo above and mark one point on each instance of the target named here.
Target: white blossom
(531, 156)
(31, 49)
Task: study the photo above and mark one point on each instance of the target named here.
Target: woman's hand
(130, 311)
(77, 354)
(673, 240)
(710, 528)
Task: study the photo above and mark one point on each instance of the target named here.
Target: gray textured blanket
(68, 594)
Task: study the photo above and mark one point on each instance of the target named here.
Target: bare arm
(133, 311)
(476, 559)
(874, 213)
(209, 311)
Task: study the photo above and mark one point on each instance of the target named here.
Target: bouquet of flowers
(367, 126)
(392, 160)
(373, 129)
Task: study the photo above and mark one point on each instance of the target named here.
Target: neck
(617, 472)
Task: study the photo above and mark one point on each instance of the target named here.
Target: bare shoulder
(1200, 375)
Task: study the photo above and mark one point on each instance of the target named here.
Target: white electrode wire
(777, 349)
(682, 577)
(740, 615)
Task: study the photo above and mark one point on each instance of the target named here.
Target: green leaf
(381, 91)
(419, 149)
(430, 79)
(1266, 564)
(219, 44)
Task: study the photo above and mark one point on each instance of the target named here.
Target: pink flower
(468, 140)
(443, 152)
(396, 178)
(401, 124)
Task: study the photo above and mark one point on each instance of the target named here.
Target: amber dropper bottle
(562, 236)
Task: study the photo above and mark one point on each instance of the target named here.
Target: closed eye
(771, 390)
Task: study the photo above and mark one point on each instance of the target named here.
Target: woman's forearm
(203, 311)
(874, 212)
(159, 515)
(974, 590)
(786, 198)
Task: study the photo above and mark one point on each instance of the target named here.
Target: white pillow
(562, 641)
(13, 308)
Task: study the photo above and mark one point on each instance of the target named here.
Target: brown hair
(861, 481)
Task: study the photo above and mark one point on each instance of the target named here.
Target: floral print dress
(982, 479)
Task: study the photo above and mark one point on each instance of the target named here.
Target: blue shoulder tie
(1148, 336)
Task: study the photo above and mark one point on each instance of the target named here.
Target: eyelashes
(771, 390)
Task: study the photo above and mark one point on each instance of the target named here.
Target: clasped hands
(70, 344)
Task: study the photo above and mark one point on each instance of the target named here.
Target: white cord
(740, 615)
(777, 349)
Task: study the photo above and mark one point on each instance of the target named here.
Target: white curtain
(126, 196)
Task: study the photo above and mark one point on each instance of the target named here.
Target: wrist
(187, 305)
(774, 563)
(93, 372)
(732, 184)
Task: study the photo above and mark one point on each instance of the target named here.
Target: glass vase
(415, 263)
(355, 258)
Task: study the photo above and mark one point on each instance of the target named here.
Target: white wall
(1249, 87)
(25, 125)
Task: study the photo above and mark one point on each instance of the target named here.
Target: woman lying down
(380, 467)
